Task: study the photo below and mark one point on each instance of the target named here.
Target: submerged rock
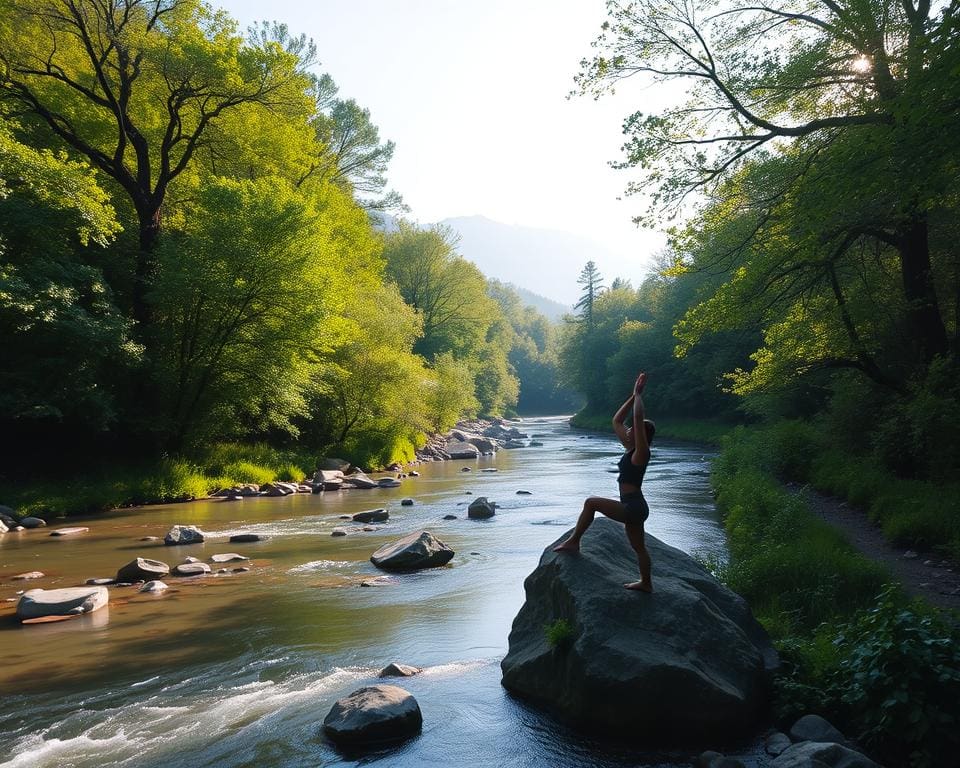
(73, 601)
(688, 664)
(377, 713)
(372, 516)
(242, 538)
(154, 587)
(418, 550)
(28, 575)
(227, 557)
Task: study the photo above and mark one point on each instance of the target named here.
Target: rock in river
(227, 557)
(154, 587)
(38, 603)
(372, 516)
(377, 713)
(418, 550)
(480, 508)
(33, 522)
(399, 670)
(183, 534)
(142, 569)
(191, 569)
(68, 531)
(242, 538)
(686, 665)
(28, 575)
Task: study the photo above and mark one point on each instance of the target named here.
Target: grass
(167, 480)
(854, 650)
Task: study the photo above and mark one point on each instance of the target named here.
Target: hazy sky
(474, 95)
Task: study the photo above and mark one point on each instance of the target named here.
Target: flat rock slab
(142, 569)
(227, 557)
(72, 601)
(28, 575)
(99, 582)
(372, 516)
(686, 665)
(191, 569)
(243, 538)
(418, 550)
(68, 531)
(372, 716)
(388, 482)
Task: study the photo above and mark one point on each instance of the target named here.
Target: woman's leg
(636, 538)
(609, 507)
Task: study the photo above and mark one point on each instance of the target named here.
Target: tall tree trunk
(923, 311)
(149, 221)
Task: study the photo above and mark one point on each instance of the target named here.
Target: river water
(241, 669)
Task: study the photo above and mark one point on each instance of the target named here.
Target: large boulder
(480, 508)
(816, 728)
(815, 754)
(72, 601)
(687, 664)
(328, 475)
(418, 550)
(142, 569)
(372, 715)
(33, 522)
(458, 449)
(335, 464)
(359, 480)
(183, 534)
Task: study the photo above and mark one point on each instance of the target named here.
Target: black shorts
(637, 510)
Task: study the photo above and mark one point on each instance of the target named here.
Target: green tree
(856, 96)
(65, 341)
(450, 394)
(592, 283)
(251, 296)
(134, 87)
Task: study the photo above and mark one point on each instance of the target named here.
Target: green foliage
(899, 680)
(559, 634)
(795, 570)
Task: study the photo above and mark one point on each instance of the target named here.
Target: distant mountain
(546, 262)
(554, 310)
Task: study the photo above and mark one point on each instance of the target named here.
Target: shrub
(899, 679)
(559, 634)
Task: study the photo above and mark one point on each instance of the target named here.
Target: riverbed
(240, 669)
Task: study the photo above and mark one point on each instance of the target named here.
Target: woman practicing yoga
(632, 509)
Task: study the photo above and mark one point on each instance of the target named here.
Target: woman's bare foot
(639, 586)
(568, 546)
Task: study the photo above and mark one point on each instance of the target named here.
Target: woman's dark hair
(651, 429)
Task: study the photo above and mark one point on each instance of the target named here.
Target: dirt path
(922, 574)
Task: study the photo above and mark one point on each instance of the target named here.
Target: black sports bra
(630, 472)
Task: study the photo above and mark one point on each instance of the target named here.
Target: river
(240, 669)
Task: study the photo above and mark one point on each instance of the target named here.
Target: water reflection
(242, 668)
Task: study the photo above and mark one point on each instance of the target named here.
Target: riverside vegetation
(196, 284)
(810, 295)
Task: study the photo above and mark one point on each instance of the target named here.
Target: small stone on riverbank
(28, 575)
